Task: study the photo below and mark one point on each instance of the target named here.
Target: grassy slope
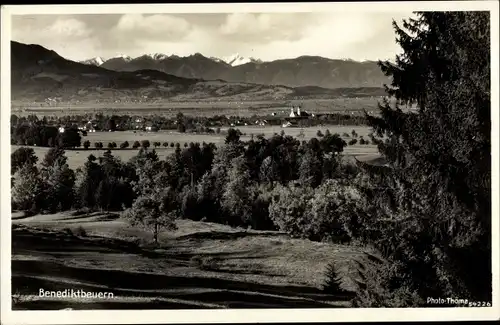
(201, 265)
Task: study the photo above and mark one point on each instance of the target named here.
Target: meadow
(200, 265)
(77, 157)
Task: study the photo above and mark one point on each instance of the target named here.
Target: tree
(124, 145)
(145, 144)
(156, 207)
(21, 157)
(332, 143)
(14, 119)
(98, 145)
(238, 197)
(59, 180)
(181, 123)
(53, 156)
(165, 144)
(86, 144)
(433, 218)
(91, 176)
(110, 125)
(269, 171)
(310, 169)
(136, 144)
(110, 145)
(288, 209)
(233, 135)
(27, 192)
(70, 138)
(152, 212)
(319, 134)
(156, 144)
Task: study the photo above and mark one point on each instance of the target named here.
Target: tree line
(181, 123)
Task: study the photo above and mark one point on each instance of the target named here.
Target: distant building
(299, 113)
(288, 124)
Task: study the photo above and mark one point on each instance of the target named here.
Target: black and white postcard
(257, 162)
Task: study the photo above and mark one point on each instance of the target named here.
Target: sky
(266, 36)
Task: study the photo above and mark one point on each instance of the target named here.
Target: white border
(235, 315)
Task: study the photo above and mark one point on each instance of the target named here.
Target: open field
(204, 107)
(76, 158)
(200, 265)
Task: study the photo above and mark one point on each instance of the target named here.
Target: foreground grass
(201, 265)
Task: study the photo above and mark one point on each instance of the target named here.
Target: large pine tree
(430, 209)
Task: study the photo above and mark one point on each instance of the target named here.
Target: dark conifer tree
(429, 211)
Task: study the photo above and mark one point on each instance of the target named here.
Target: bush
(353, 142)
(145, 144)
(319, 134)
(165, 144)
(124, 145)
(86, 144)
(172, 144)
(317, 214)
(136, 145)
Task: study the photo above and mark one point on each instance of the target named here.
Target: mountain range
(39, 74)
(299, 72)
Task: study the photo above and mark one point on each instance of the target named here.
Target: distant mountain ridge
(39, 74)
(297, 72)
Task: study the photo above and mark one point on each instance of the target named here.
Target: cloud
(67, 28)
(265, 26)
(336, 35)
(268, 36)
(65, 35)
(158, 26)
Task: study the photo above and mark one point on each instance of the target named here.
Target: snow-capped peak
(122, 56)
(237, 59)
(213, 58)
(157, 56)
(94, 61)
